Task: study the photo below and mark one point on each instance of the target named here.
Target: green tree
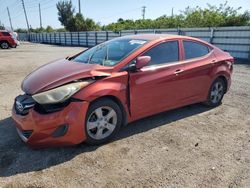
(60, 30)
(73, 22)
(49, 29)
(91, 25)
(66, 14)
(19, 30)
(79, 23)
(1, 26)
(210, 16)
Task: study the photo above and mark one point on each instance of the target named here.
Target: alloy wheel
(101, 123)
(217, 92)
(4, 45)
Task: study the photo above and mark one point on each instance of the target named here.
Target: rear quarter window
(194, 49)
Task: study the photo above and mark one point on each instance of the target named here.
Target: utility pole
(25, 16)
(10, 19)
(172, 12)
(79, 4)
(41, 26)
(143, 12)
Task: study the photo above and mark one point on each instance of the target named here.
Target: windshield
(109, 53)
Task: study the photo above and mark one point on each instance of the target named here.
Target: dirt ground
(192, 146)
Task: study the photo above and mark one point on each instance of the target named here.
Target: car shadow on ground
(16, 157)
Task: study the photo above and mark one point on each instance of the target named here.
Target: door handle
(178, 71)
(214, 61)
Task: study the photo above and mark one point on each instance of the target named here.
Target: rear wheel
(216, 93)
(103, 121)
(4, 45)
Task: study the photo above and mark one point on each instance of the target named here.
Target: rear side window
(166, 52)
(194, 49)
(5, 33)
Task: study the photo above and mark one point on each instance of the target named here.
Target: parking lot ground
(194, 146)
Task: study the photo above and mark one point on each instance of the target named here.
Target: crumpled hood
(60, 72)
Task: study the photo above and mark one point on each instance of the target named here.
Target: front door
(157, 87)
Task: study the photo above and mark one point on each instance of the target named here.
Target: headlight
(60, 94)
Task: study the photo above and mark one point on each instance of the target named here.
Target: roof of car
(154, 36)
(4, 31)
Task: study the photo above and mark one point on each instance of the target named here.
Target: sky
(102, 11)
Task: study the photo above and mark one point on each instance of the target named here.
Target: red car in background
(7, 40)
(89, 96)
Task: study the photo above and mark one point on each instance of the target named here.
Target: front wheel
(103, 121)
(216, 93)
(4, 45)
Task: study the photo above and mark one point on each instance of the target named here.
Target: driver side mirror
(138, 63)
(142, 61)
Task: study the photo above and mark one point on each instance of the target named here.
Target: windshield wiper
(90, 57)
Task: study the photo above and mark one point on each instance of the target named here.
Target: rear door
(157, 87)
(198, 61)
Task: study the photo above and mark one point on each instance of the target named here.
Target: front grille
(27, 134)
(24, 135)
(23, 103)
(50, 108)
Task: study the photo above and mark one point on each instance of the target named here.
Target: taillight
(231, 60)
(230, 63)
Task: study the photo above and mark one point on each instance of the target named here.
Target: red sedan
(89, 96)
(7, 40)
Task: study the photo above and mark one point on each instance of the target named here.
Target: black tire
(105, 102)
(4, 45)
(215, 100)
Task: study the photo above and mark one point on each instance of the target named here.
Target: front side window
(109, 53)
(166, 52)
(194, 49)
(5, 34)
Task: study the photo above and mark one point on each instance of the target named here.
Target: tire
(216, 93)
(103, 121)
(4, 45)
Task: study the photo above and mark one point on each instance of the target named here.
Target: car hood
(60, 72)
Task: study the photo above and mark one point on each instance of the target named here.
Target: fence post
(78, 36)
(107, 36)
(87, 39)
(95, 38)
(65, 39)
(71, 42)
(249, 51)
(60, 38)
(54, 38)
(211, 35)
(50, 38)
(179, 31)
(249, 54)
